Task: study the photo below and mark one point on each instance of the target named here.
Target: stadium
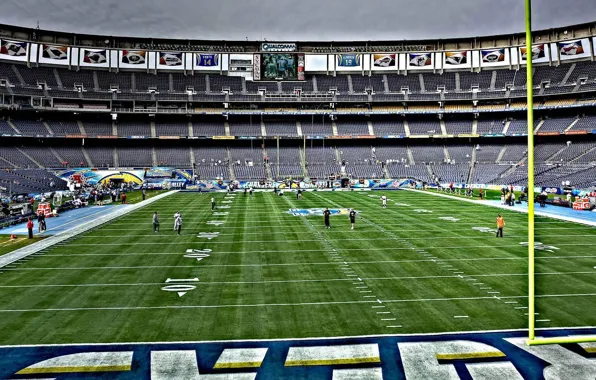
(406, 151)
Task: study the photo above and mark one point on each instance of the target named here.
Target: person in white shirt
(212, 203)
(178, 224)
(176, 216)
(384, 199)
(569, 200)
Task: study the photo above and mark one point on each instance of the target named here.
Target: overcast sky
(294, 20)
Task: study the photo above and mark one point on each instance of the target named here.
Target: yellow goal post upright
(532, 340)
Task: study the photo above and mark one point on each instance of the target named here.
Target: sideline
(21, 253)
(516, 209)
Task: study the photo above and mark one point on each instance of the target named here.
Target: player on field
(155, 222)
(212, 203)
(327, 214)
(178, 224)
(384, 200)
(250, 191)
(500, 225)
(352, 217)
(176, 215)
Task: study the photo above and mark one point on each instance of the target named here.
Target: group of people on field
(177, 222)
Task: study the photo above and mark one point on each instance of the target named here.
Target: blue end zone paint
(14, 359)
(65, 221)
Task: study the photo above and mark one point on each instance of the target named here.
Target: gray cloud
(294, 20)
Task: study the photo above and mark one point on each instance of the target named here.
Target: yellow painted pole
(562, 340)
(530, 89)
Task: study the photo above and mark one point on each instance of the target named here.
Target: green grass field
(274, 275)
(8, 245)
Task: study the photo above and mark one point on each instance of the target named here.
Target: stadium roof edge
(107, 41)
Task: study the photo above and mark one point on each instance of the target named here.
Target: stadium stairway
(81, 128)
(472, 166)
(572, 124)
(302, 162)
(506, 128)
(56, 155)
(371, 130)
(45, 124)
(87, 157)
(501, 153)
(411, 157)
(13, 126)
(116, 160)
(446, 154)
(581, 155)
(29, 157)
(407, 128)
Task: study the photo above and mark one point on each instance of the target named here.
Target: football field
(264, 267)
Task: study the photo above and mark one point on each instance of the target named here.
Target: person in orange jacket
(500, 225)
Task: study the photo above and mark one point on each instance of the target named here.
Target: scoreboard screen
(282, 66)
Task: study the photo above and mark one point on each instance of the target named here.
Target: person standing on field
(30, 228)
(384, 199)
(500, 225)
(327, 214)
(352, 217)
(155, 222)
(178, 224)
(212, 203)
(176, 215)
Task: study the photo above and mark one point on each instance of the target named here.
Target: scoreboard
(278, 66)
(278, 61)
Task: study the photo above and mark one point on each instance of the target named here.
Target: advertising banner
(55, 52)
(456, 58)
(170, 59)
(134, 57)
(493, 55)
(419, 60)
(571, 47)
(349, 60)
(537, 52)
(384, 60)
(13, 48)
(94, 57)
(207, 60)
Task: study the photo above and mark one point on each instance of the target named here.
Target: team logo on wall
(571, 47)
(133, 57)
(94, 57)
(55, 52)
(384, 60)
(348, 60)
(456, 57)
(537, 52)
(170, 59)
(13, 48)
(207, 60)
(420, 60)
(493, 55)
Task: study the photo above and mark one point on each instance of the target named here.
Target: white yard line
(330, 338)
(299, 304)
